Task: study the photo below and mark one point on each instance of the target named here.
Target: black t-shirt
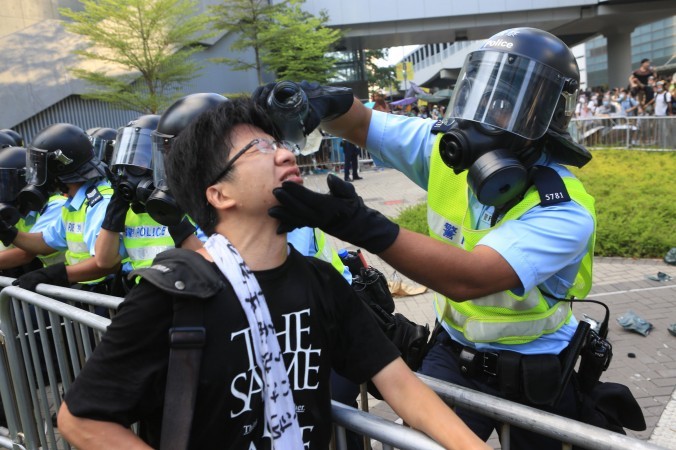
(319, 323)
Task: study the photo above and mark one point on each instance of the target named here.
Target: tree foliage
(297, 44)
(148, 42)
(247, 19)
(378, 77)
(285, 39)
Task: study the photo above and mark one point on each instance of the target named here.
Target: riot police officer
(512, 229)
(15, 261)
(61, 155)
(142, 237)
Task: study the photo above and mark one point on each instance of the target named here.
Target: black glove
(7, 233)
(180, 232)
(326, 102)
(341, 213)
(116, 213)
(55, 275)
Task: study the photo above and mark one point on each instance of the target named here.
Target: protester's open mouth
(293, 176)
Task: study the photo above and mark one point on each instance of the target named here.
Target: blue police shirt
(54, 234)
(303, 240)
(544, 246)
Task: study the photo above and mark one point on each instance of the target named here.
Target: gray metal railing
(47, 341)
(641, 132)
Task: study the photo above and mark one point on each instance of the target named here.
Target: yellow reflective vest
(74, 222)
(502, 317)
(326, 252)
(144, 238)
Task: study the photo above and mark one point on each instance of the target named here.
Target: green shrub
(635, 203)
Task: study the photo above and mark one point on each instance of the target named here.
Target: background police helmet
(103, 141)
(535, 76)
(12, 180)
(18, 139)
(7, 140)
(63, 152)
(174, 120)
(161, 205)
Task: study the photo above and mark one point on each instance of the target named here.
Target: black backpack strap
(187, 337)
(190, 280)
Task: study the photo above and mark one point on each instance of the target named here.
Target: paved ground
(619, 282)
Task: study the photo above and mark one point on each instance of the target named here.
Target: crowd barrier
(47, 337)
(644, 132)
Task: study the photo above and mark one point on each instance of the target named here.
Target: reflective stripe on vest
(144, 238)
(74, 222)
(326, 253)
(501, 317)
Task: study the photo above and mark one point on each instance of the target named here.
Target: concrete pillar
(619, 58)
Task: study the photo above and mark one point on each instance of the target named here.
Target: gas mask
(496, 160)
(131, 164)
(161, 205)
(500, 110)
(134, 184)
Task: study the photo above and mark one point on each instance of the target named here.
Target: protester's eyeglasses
(262, 145)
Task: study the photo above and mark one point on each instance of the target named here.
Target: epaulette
(440, 127)
(550, 186)
(183, 273)
(93, 195)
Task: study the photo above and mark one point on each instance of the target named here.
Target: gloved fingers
(30, 280)
(340, 188)
(261, 93)
(287, 220)
(312, 121)
(299, 204)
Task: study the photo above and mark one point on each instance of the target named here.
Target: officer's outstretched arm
(353, 125)
(456, 273)
(14, 257)
(451, 271)
(32, 243)
(422, 409)
(87, 270)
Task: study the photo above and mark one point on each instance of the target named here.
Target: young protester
(276, 322)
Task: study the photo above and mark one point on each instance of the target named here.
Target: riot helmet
(132, 157)
(174, 120)
(59, 154)
(514, 95)
(161, 205)
(103, 141)
(6, 140)
(12, 180)
(18, 139)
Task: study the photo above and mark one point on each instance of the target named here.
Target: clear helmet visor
(11, 182)
(133, 147)
(100, 145)
(161, 144)
(36, 166)
(506, 91)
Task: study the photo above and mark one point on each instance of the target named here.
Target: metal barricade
(644, 132)
(329, 157)
(47, 342)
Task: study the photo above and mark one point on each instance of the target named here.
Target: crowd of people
(508, 251)
(646, 94)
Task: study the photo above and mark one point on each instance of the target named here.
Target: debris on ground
(632, 322)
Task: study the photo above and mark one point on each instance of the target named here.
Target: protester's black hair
(200, 151)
